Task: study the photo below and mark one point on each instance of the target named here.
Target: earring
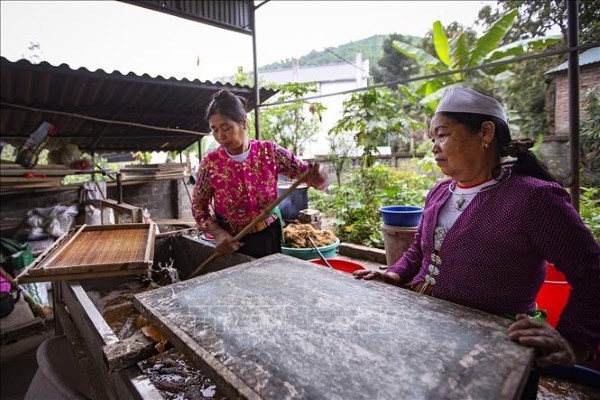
(486, 146)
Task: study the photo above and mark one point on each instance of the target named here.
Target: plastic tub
(404, 216)
(553, 294)
(552, 274)
(340, 265)
(396, 241)
(291, 206)
(309, 253)
(59, 375)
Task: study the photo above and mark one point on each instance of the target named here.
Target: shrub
(354, 206)
(589, 209)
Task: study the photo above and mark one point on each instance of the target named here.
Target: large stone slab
(280, 327)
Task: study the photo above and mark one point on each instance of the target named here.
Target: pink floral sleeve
(203, 193)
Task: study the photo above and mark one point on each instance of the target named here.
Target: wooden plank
(45, 171)
(280, 327)
(150, 239)
(117, 227)
(185, 222)
(97, 390)
(126, 384)
(25, 185)
(128, 352)
(28, 278)
(24, 180)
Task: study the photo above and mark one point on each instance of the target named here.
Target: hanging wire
(528, 57)
(348, 62)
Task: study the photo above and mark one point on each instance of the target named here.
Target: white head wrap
(465, 100)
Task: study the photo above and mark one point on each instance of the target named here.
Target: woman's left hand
(551, 348)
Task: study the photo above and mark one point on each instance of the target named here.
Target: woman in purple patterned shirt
(238, 180)
(488, 231)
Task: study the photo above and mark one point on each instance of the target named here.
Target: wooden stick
(107, 121)
(187, 190)
(256, 220)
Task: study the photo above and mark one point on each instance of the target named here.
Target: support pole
(573, 39)
(256, 88)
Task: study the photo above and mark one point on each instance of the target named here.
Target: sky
(112, 35)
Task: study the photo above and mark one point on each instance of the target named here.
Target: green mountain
(371, 49)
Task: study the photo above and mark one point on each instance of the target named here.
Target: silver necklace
(458, 204)
(504, 174)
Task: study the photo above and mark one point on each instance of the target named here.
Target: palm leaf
(409, 95)
(521, 47)
(490, 40)
(440, 42)
(421, 56)
(461, 51)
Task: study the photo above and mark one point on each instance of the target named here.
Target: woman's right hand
(224, 242)
(387, 277)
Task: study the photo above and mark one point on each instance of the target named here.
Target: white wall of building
(330, 79)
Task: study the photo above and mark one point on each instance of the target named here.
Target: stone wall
(555, 152)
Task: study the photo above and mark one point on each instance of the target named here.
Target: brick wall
(589, 77)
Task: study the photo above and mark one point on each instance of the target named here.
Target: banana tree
(457, 54)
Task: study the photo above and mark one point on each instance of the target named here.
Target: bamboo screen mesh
(95, 252)
(102, 247)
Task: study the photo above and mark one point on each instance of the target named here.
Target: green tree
(526, 89)
(456, 54)
(293, 124)
(538, 17)
(341, 146)
(394, 65)
(374, 116)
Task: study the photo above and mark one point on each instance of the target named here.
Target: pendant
(459, 202)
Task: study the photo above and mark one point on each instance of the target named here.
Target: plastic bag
(92, 215)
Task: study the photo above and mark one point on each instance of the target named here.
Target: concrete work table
(280, 327)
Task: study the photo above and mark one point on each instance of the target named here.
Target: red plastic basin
(340, 265)
(553, 294)
(552, 274)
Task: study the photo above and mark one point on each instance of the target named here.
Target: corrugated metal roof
(233, 15)
(155, 101)
(590, 56)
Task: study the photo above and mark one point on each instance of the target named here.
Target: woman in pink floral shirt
(238, 180)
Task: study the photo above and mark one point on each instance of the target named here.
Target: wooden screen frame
(41, 270)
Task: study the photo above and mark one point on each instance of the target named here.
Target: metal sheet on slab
(280, 327)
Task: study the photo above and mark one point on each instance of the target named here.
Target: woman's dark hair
(526, 163)
(228, 104)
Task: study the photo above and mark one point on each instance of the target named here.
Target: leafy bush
(589, 209)
(354, 206)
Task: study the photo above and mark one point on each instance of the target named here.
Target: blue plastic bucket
(291, 206)
(405, 216)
